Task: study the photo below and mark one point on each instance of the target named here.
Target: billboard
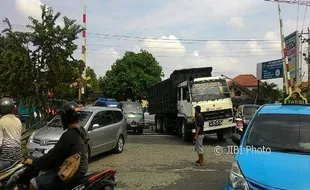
(270, 69)
(292, 52)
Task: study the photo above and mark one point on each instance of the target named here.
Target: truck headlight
(236, 179)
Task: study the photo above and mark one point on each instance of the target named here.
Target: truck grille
(219, 114)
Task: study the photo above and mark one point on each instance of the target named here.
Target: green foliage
(93, 82)
(131, 76)
(34, 62)
(270, 92)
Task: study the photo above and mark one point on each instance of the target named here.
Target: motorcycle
(18, 178)
(240, 123)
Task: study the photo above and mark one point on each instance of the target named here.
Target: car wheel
(140, 131)
(119, 145)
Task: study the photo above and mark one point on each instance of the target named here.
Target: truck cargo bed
(162, 97)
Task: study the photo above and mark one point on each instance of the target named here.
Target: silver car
(106, 128)
(149, 119)
(134, 116)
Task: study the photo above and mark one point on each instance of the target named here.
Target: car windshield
(280, 132)
(210, 90)
(132, 108)
(249, 111)
(56, 122)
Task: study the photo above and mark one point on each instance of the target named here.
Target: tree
(17, 79)
(270, 92)
(131, 76)
(93, 80)
(34, 63)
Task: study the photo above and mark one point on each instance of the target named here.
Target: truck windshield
(132, 108)
(210, 90)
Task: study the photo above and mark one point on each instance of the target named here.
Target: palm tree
(270, 92)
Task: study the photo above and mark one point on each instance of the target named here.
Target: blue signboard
(270, 69)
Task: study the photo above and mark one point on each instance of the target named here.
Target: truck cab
(213, 96)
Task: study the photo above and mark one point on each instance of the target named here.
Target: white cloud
(272, 36)
(254, 47)
(102, 60)
(165, 44)
(172, 54)
(236, 22)
(197, 11)
(29, 7)
(33, 8)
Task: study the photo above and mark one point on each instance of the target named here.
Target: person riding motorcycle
(72, 141)
(10, 135)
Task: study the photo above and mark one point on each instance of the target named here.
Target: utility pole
(308, 64)
(286, 75)
(83, 78)
(307, 59)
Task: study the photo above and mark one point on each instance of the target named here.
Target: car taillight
(239, 123)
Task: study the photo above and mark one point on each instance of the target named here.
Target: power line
(181, 39)
(303, 23)
(137, 38)
(297, 22)
(186, 56)
(165, 47)
(250, 52)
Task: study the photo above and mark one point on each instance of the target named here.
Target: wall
(243, 95)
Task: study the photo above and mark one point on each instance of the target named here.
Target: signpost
(270, 70)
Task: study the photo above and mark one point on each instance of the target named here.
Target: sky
(179, 33)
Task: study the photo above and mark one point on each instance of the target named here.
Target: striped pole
(286, 69)
(84, 43)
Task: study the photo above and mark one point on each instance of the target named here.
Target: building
(243, 88)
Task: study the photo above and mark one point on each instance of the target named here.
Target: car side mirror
(236, 138)
(95, 126)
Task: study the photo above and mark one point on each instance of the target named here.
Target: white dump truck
(173, 100)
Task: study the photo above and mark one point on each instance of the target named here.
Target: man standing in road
(199, 135)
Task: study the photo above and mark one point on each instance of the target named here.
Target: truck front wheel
(158, 126)
(185, 133)
(220, 135)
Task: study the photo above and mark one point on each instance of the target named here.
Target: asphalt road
(151, 161)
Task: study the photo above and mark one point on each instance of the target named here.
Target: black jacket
(70, 142)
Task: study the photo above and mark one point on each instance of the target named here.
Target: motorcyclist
(72, 141)
(10, 135)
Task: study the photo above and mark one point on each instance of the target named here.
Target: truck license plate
(215, 122)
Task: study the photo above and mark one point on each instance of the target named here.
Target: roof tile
(247, 80)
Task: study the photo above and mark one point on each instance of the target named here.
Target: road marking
(198, 170)
(155, 135)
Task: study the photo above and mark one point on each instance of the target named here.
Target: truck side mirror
(187, 96)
